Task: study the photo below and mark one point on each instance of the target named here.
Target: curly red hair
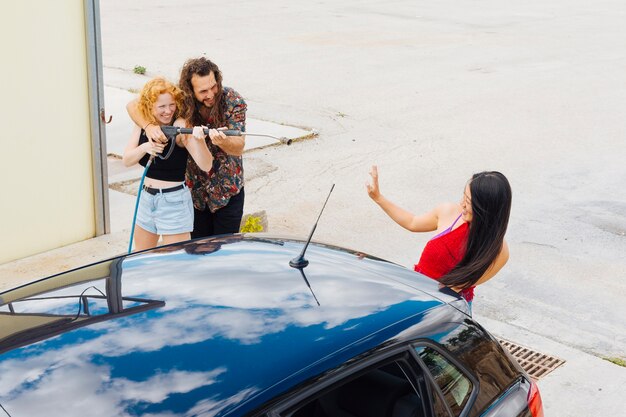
(150, 94)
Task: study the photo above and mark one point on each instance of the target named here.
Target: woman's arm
(134, 152)
(424, 223)
(196, 145)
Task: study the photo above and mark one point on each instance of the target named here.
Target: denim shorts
(166, 213)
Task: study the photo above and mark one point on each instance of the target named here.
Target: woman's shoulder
(448, 209)
(447, 213)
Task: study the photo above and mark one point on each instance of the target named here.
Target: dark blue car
(225, 327)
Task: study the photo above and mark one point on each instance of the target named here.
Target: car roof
(212, 326)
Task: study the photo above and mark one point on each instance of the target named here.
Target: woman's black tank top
(170, 169)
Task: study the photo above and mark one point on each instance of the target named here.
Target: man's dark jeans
(225, 220)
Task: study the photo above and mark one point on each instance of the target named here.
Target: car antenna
(299, 261)
(308, 285)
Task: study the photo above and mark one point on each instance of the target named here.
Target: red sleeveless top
(442, 253)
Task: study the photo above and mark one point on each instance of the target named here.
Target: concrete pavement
(431, 92)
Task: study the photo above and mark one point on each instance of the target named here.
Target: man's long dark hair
(191, 107)
(491, 206)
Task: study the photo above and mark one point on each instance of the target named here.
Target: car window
(439, 407)
(454, 385)
(85, 298)
(384, 391)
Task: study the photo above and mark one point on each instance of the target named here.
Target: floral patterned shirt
(214, 189)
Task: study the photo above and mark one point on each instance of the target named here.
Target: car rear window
(455, 387)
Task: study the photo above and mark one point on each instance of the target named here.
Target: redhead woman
(468, 248)
(165, 206)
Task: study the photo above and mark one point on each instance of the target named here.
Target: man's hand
(153, 131)
(232, 145)
(218, 138)
(155, 134)
(198, 132)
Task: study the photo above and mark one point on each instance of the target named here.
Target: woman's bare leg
(180, 237)
(144, 239)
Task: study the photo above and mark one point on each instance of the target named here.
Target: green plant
(252, 224)
(616, 361)
(139, 70)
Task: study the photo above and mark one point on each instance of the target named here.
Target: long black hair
(491, 206)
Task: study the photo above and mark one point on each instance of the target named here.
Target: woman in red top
(469, 248)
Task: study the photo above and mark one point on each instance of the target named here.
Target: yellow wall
(47, 195)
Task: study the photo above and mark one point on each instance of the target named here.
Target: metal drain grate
(536, 364)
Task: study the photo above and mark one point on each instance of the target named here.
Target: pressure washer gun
(172, 131)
